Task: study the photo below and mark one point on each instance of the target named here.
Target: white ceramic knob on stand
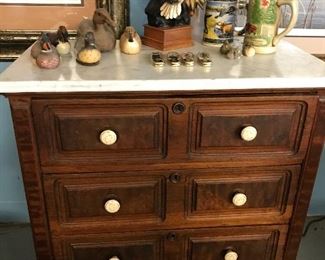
(112, 206)
(248, 133)
(108, 137)
(239, 199)
(231, 255)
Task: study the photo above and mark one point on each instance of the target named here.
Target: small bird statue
(48, 57)
(102, 26)
(169, 13)
(130, 41)
(89, 54)
(63, 45)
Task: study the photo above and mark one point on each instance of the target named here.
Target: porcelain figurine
(89, 54)
(102, 27)
(63, 45)
(263, 19)
(170, 13)
(130, 41)
(37, 46)
(48, 57)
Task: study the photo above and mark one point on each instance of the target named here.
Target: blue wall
(13, 206)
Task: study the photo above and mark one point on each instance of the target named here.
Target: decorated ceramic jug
(263, 20)
(219, 22)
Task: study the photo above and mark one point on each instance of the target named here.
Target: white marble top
(290, 67)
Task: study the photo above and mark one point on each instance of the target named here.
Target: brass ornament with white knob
(239, 199)
(231, 255)
(112, 206)
(114, 258)
(108, 137)
(248, 133)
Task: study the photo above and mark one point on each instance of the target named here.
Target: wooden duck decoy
(63, 45)
(55, 38)
(48, 58)
(37, 46)
(89, 54)
(102, 26)
(130, 41)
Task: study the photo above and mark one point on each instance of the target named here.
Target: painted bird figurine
(170, 13)
(102, 26)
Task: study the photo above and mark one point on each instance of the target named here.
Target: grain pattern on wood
(69, 131)
(282, 127)
(27, 148)
(310, 168)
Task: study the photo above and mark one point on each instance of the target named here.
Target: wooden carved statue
(170, 13)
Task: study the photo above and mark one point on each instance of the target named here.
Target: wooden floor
(16, 242)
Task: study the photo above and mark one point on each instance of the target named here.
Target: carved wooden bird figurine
(48, 57)
(102, 26)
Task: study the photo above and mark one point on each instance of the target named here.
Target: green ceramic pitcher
(263, 20)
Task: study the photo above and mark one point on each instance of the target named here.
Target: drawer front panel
(250, 128)
(242, 193)
(246, 244)
(114, 247)
(111, 200)
(72, 132)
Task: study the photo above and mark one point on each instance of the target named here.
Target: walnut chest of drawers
(193, 175)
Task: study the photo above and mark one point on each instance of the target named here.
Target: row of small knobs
(113, 206)
(109, 137)
(230, 255)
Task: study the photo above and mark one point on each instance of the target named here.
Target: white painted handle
(239, 199)
(112, 206)
(248, 133)
(231, 255)
(114, 258)
(108, 137)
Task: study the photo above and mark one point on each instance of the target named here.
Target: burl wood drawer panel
(80, 131)
(260, 243)
(109, 201)
(251, 128)
(112, 247)
(237, 195)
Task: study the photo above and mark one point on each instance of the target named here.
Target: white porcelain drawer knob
(231, 255)
(108, 137)
(239, 199)
(112, 206)
(248, 133)
(114, 258)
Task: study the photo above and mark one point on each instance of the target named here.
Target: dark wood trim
(310, 169)
(22, 117)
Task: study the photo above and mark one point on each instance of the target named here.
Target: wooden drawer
(107, 202)
(255, 242)
(110, 200)
(70, 131)
(237, 195)
(103, 247)
(260, 243)
(222, 129)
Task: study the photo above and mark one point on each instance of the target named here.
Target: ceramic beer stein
(219, 22)
(263, 20)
